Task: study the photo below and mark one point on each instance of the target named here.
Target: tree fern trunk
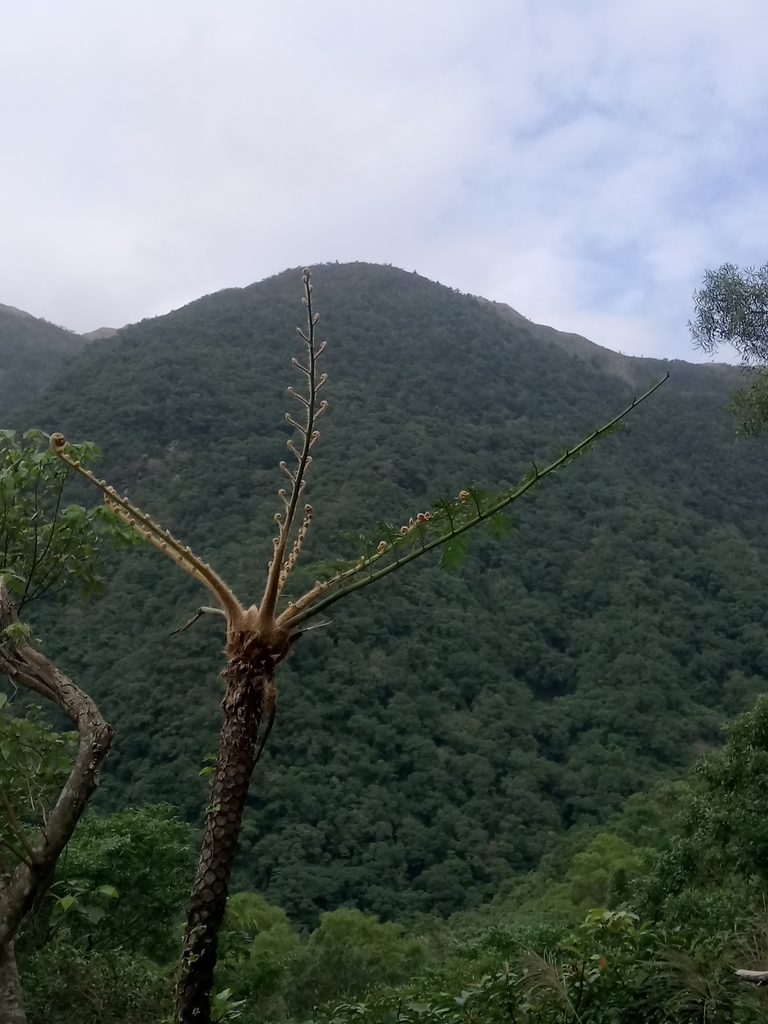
(249, 698)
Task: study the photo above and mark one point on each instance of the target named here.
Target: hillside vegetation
(446, 729)
(31, 352)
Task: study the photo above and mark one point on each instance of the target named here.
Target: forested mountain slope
(31, 352)
(442, 731)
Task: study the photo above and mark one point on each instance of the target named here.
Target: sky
(584, 161)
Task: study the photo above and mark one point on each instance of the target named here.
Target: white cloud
(582, 160)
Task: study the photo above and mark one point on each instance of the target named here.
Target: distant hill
(31, 352)
(444, 729)
(632, 369)
(100, 333)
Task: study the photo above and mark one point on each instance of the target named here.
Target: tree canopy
(732, 309)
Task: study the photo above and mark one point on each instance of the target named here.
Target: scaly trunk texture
(249, 697)
(26, 667)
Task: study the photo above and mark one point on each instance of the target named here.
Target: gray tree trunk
(26, 667)
(11, 996)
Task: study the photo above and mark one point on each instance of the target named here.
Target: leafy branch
(47, 547)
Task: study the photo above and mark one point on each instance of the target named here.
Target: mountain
(31, 352)
(630, 368)
(447, 727)
(100, 333)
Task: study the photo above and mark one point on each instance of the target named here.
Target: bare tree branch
(753, 977)
(28, 668)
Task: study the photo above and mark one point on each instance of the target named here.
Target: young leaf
(499, 525)
(453, 552)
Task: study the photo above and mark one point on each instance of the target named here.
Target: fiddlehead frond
(280, 566)
(443, 527)
(292, 558)
(162, 539)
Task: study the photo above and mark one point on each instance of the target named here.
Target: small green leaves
(34, 764)
(65, 903)
(15, 634)
(224, 1007)
(453, 552)
(82, 907)
(499, 525)
(49, 546)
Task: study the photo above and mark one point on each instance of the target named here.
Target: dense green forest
(640, 921)
(446, 730)
(32, 351)
(495, 761)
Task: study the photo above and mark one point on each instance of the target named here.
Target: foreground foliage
(732, 309)
(47, 547)
(609, 969)
(677, 913)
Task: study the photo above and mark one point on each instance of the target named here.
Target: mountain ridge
(626, 367)
(32, 351)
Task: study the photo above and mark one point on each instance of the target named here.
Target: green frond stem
(280, 566)
(162, 539)
(309, 605)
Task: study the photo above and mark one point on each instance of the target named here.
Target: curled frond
(284, 560)
(292, 558)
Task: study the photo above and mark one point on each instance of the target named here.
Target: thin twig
(17, 853)
(198, 615)
(308, 629)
